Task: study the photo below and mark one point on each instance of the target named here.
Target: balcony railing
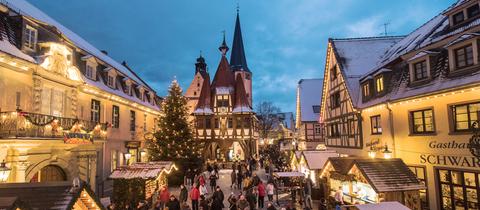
(18, 124)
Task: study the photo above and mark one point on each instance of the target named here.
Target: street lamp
(4, 172)
(387, 154)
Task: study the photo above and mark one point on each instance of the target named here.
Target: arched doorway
(49, 173)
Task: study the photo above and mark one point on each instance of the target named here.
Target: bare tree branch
(266, 114)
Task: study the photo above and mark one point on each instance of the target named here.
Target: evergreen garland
(174, 139)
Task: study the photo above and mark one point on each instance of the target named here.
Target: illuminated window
(115, 116)
(464, 115)
(421, 174)
(420, 70)
(30, 37)
(366, 90)
(95, 111)
(114, 162)
(379, 84)
(376, 124)
(422, 121)
(463, 56)
(458, 189)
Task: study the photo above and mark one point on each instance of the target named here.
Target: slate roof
(46, 195)
(224, 77)
(310, 93)
(356, 56)
(150, 170)
(316, 159)
(241, 100)
(341, 164)
(399, 86)
(388, 175)
(238, 62)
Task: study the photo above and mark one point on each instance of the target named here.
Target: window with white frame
(366, 90)
(89, 71)
(95, 111)
(111, 81)
(30, 37)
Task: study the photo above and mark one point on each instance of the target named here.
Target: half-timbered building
(309, 130)
(223, 114)
(347, 60)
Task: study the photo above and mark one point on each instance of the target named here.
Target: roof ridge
(366, 38)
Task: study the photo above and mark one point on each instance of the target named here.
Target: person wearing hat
(173, 203)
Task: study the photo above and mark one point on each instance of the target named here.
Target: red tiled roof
(150, 170)
(241, 100)
(223, 76)
(204, 105)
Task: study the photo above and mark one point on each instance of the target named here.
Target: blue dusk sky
(285, 40)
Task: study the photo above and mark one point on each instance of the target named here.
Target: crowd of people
(201, 188)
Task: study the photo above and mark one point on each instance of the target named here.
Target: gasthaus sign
(471, 159)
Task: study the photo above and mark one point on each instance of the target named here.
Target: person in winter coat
(251, 198)
(163, 197)
(261, 194)
(255, 180)
(183, 194)
(194, 196)
(203, 190)
(204, 203)
(239, 180)
(213, 180)
(242, 203)
(201, 179)
(173, 203)
(270, 191)
(218, 195)
(233, 177)
(232, 200)
(216, 204)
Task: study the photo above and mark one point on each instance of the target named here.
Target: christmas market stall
(288, 182)
(138, 181)
(312, 161)
(366, 180)
(48, 195)
(294, 160)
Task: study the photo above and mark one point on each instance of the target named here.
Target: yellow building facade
(67, 110)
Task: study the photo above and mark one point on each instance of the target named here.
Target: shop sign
(77, 138)
(132, 144)
(453, 160)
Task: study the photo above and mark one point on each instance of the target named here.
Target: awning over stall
(316, 159)
(150, 170)
(382, 206)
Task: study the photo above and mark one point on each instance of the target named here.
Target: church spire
(200, 65)
(238, 61)
(223, 47)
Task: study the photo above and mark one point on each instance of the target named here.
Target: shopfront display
(459, 189)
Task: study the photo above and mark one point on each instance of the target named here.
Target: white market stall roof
(382, 206)
(316, 159)
(288, 174)
(150, 170)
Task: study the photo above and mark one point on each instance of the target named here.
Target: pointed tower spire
(223, 47)
(203, 106)
(241, 99)
(238, 61)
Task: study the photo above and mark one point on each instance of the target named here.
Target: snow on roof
(204, 110)
(462, 38)
(26, 9)
(9, 48)
(150, 170)
(390, 205)
(316, 159)
(420, 54)
(289, 174)
(310, 91)
(357, 56)
(242, 109)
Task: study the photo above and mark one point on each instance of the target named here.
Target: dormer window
(458, 18)
(463, 56)
(366, 90)
(111, 81)
(420, 70)
(379, 84)
(316, 109)
(30, 37)
(89, 71)
(473, 11)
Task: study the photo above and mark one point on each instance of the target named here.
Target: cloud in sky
(285, 40)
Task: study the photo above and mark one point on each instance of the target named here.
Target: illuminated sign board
(77, 138)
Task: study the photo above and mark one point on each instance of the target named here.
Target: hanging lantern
(387, 154)
(4, 172)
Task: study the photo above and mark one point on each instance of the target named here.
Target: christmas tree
(174, 139)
